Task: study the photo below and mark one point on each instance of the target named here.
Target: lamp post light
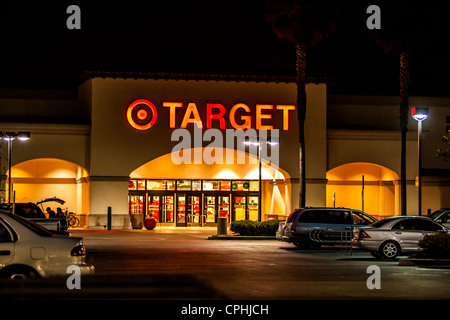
(420, 115)
(9, 137)
(258, 143)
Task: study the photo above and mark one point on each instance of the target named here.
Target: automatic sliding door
(239, 207)
(245, 207)
(188, 210)
(252, 208)
(167, 209)
(136, 204)
(193, 209)
(216, 206)
(154, 207)
(210, 209)
(181, 210)
(224, 207)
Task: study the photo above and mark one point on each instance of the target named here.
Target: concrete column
(108, 192)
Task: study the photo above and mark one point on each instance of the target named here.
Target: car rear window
(292, 216)
(33, 226)
(380, 223)
(29, 211)
(436, 214)
(326, 216)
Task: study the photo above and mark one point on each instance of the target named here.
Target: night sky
(216, 37)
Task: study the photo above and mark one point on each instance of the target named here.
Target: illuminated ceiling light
(419, 114)
(24, 136)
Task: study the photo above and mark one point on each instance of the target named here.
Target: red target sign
(141, 114)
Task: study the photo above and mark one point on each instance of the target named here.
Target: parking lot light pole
(258, 143)
(420, 115)
(9, 137)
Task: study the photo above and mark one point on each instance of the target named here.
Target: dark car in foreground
(312, 227)
(395, 236)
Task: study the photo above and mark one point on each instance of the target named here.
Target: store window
(132, 185)
(196, 185)
(136, 185)
(240, 185)
(136, 204)
(254, 186)
(156, 184)
(225, 185)
(141, 184)
(170, 184)
(209, 185)
(184, 185)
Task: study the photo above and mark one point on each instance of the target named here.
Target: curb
(225, 237)
(426, 263)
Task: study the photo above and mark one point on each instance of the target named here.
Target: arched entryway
(168, 191)
(37, 179)
(364, 186)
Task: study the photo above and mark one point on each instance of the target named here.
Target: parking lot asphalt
(265, 269)
(182, 264)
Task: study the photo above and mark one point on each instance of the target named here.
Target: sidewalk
(211, 232)
(158, 229)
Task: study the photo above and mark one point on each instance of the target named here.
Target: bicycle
(72, 221)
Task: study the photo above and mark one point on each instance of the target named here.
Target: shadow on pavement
(142, 287)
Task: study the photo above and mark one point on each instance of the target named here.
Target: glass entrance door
(245, 207)
(136, 204)
(188, 210)
(154, 208)
(167, 209)
(216, 206)
(252, 208)
(181, 210)
(193, 210)
(239, 207)
(224, 207)
(210, 209)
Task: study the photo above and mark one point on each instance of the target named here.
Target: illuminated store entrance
(193, 202)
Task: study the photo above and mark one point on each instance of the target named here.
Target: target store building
(167, 146)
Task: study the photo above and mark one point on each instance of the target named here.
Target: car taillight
(363, 235)
(293, 228)
(78, 251)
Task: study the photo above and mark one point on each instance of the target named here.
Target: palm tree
(304, 23)
(401, 31)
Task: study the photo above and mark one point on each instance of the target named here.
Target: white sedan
(28, 250)
(393, 236)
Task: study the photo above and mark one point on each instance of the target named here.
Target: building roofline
(194, 76)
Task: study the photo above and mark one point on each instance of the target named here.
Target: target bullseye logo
(141, 114)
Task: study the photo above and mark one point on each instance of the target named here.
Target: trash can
(222, 226)
(137, 220)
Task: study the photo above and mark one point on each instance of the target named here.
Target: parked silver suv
(312, 227)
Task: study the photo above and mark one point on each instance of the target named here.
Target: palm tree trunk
(301, 114)
(404, 108)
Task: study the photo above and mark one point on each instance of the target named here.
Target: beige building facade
(115, 145)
